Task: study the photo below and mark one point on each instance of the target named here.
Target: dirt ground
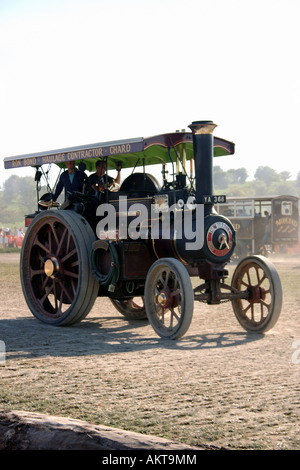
(217, 386)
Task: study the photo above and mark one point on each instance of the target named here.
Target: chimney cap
(202, 127)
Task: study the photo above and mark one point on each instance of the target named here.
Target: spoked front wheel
(169, 298)
(261, 310)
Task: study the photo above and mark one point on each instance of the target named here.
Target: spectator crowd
(11, 238)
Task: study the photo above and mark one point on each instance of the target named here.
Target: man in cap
(99, 179)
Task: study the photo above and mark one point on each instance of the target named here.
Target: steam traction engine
(70, 255)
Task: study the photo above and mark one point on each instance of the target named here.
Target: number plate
(213, 199)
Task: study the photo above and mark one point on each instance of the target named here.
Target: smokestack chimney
(203, 141)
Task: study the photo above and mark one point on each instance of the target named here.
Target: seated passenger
(72, 180)
(98, 179)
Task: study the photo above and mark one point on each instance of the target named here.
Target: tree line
(18, 195)
(266, 182)
(17, 198)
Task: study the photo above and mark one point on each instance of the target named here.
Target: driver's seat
(140, 185)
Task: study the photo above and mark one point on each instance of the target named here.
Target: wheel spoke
(260, 281)
(60, 301)
(71, 274)
(167, 278)
(55, 297)
(73, 287)
(68, 242)
(252, 312)
(64, 291)
(40, 245)
(74, 264)
(175, 292)
(35, 272)
(54, 234)
(245, 310)
(243, 283)
(68, 255)
(48, 291)
(61, 241)
(264, 304)
(45, 282)
(50, 239)
(162, 314)
(174, 315)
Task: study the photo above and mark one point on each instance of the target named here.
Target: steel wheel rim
(167, 300)
(256, 312)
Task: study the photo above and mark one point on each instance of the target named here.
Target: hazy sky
(82, 71)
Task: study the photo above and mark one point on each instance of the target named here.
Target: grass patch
(10, 250)
(9, 274)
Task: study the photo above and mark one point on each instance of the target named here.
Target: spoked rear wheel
(132, 309)
(261, 310)
(169, 298)
(56, 277)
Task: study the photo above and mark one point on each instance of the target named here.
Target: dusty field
(217, 386)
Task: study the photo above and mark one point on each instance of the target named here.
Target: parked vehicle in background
(263, 224)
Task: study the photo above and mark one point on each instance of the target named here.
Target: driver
(98, 180)
(71, 180)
